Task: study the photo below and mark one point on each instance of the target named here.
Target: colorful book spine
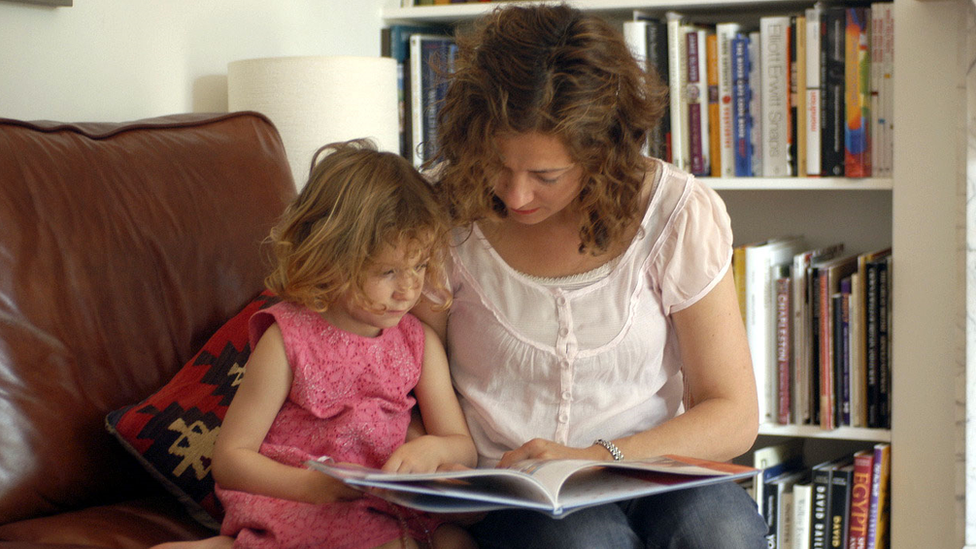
(857, 82)
(711, 72)
(696, 98)
(792, 139)
(798, 87)
(783, 343)
(880, 498)
(726, 159)
(860, 499)
(774, 63)
(832, 91)
(741, 117)
(755, 102)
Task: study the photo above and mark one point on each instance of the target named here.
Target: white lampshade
(318, 100)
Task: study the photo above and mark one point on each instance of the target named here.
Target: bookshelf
(916, 211)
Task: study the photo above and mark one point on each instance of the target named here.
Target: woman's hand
(540, 448)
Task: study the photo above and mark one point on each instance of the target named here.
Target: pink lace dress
(350, 399)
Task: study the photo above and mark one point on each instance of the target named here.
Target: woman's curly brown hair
(357, 201)
(559, 71)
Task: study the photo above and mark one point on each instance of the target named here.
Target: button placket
(565, 354)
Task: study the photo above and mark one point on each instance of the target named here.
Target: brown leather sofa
(123, 247)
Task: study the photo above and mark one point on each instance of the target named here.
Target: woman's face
(538, 179)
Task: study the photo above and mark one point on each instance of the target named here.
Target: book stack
(843, 502)
(803, 94)
(818, 325)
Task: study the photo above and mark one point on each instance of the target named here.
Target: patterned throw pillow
(172, 432)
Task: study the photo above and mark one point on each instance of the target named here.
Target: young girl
(338, 363)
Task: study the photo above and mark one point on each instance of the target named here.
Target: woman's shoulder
(675, 192)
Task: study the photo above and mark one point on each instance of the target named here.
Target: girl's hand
(424, 454)
(322, 488)
(540, 448)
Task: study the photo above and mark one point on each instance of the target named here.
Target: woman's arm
(237, 465)
(723, 420)
(448, 440)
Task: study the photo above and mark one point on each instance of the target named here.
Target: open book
(556, 487)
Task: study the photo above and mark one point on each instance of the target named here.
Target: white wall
(114, 60)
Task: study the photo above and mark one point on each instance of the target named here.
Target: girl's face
(393, 286)
(538, 178)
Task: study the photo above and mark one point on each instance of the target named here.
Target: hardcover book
(860, 499)
(725, 33)
(878, 508)
(857, 82)
(556, 487)
(798, 94)
(741, 105)
(696, 99)
(812, 116)
(714, 138)
(774, 63)
(832, 44)
(841, 478)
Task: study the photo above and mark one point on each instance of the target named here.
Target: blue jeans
(717, 516)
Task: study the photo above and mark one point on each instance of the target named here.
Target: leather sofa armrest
(135, 524)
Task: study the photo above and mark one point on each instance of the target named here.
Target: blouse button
(560, 300)
(564, 331)
(567, 395)
(564, 364)
(563, 418)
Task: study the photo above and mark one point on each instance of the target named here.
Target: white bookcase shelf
(797, 184)
(915, 211)
(840, 433)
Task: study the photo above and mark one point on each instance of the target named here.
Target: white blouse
(576, 362)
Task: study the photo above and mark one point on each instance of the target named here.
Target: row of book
(804, 94)
(425, 58)
(818, 321)
(844, 502)
(412, 3)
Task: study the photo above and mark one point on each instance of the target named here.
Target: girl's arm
(723, 419)
(447, 440)
(237, 465)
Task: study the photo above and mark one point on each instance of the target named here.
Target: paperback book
(557, 487)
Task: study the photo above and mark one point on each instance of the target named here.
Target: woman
(594, 311)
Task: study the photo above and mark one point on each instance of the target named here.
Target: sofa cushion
(172, 432)
(123, 248)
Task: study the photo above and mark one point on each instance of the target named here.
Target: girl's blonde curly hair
(357, 201)
(559, 71)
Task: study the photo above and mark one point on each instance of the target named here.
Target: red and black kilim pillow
(172, 432)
